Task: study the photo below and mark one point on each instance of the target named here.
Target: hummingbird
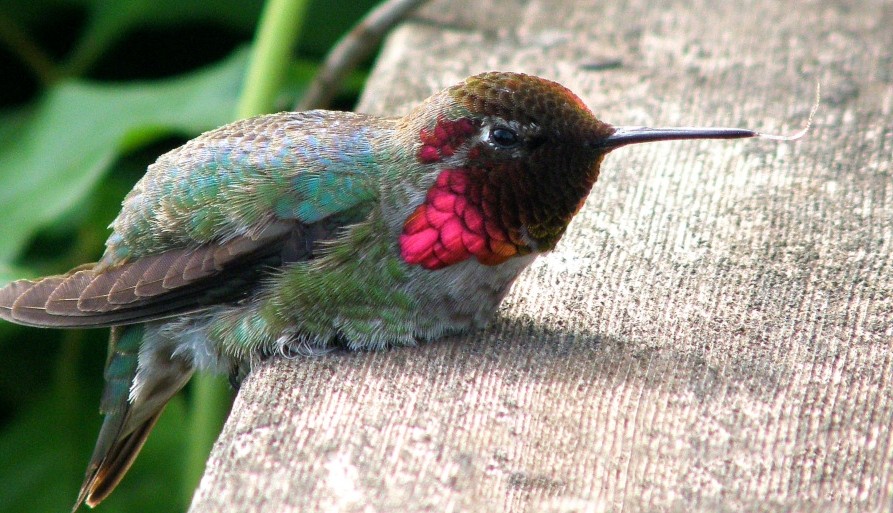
(295, 232)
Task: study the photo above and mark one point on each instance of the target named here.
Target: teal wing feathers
(209, 218)
(304, 166)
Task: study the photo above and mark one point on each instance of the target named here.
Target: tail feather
(132, 402)
(108, 466)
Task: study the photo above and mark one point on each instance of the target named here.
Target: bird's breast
(462, 296)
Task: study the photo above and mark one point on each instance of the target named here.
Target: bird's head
(513, 157)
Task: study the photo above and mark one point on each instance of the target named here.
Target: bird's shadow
(517, 349)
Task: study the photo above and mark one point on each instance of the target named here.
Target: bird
(296, 232)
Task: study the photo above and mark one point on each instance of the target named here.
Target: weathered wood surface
(713, 333)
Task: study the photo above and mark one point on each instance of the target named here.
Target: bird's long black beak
(624, 135)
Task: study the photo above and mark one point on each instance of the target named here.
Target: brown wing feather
(151, 287)
(151, 282)
(95, 296)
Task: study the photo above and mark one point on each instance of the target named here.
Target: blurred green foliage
(91, 92)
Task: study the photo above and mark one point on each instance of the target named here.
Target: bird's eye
(504, 136)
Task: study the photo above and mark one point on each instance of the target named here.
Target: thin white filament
(802, 132)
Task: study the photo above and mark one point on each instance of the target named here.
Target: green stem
(210, 401)
(276, 36)
(280, 25)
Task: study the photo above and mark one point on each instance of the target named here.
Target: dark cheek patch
(452, 226)
(443, 140)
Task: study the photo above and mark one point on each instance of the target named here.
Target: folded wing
(153, 287)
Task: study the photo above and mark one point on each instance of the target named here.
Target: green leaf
(79, 128)
(10, 273)
(11, 123)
